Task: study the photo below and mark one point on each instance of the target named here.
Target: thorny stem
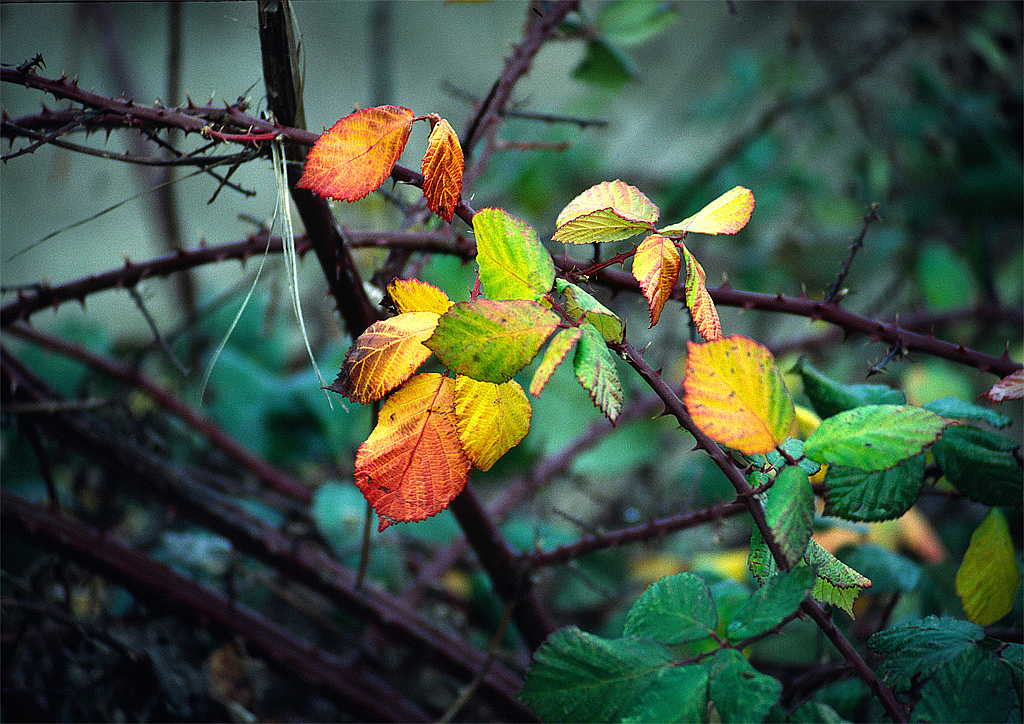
(858, 244)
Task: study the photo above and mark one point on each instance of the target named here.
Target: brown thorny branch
(120, 113)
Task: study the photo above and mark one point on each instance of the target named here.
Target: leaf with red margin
(412, 295)
(491, 419)
(698, 301)
(412, 465)
(560, 345)
(609, 211)
(1010, 387)
(595, 370)
(385, 356)
(357, 153)
(736, 395)
(513, 262)
(727, 214)
(656, 268)
(442, 168)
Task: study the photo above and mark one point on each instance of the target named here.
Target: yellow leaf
(491, 419)
(699, 302)
(988, 579)
(736, 395)
(357, 153)
(385, 356)
(442, 168)
(727, 214)
(656, 269)
(609, 211)
(412, 465)
(559, 346)
(412, 295)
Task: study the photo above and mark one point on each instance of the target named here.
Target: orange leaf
(1010, 387)
(656, 268)
(702, 308)
(412, 295)
(442, 168)
(727, 214)
(385, 356)
(412, 464)
(491, 419)
(358, 152)
(736, 396)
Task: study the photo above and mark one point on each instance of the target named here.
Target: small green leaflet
(674, 610)
(490, 340)
(513, 262)
(873, 495)
(731, 673)
(981, 464)
(560, 344)
(581, 305)
(874, 437)
(988, 579)
(595, 370)
(829, 397)
(771, 604)
(790, 512)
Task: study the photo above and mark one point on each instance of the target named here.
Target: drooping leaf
(740, 692)
(981, 464)
(412, 464)
(914, 650)
(490, 340)
(771, 604)
(491, 419)
(874, 437)
(698, 300)
(656, 268)
(674, 610)
(558, 348)
(605, 65)
(385, 356)
(679, 694)
(412, 295)
(609, 211)
(579, 677)
(632, 22)
(582, 305)
(727, 214)
(357, 153)
(829, 397)
(958, 409)
(836, 583)
(790, 512)
(513, 262)
(1010, 387)
(736, 394)
(595, 370)
(988, 579)
(442, 168)
(873, 495)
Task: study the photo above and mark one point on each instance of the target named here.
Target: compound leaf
(981, 464)
(491, 419)
(656, 268)
(558, 348)
(442, 168)
(740, 692)
(357, 153)
(679, 694)
(698, 300)
(736, 394)
(727, 214)
(412, 295)
(914, 650)
(412, 464)
(674, 610)
(595, 370)
(513, 262)
(771, 603)
(874, 437)
(988, 579)
(609, 211)
(873, 495)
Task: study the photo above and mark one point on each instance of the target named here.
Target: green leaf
(889, 572)
(981, 465)
(605, 65)
(836, 583)
(988, 579)
(513, 262)
(771, 603)
(958, 409)
(632, 22)
(490, 340)
(579, 677)
(874, 437)
(740, 692)
(680, 694)
(581, 305)
(829, 397)
(794, 447)
(790, 512)
(914, 650)
(760, 562)
(971, 687)
(595, 370)
(873, 495)
(674, 610)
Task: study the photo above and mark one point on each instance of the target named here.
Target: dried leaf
(1010, 387)
(442, 169)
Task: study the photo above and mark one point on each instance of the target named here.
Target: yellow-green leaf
(595, 370)
(727, 214)
(412, 295)
(582, 305)
(656, 268)
(988, 578)
(513, 262)
(559, 346)
(735, 394)
(492, 419)
(699, 302)
(609, 211)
